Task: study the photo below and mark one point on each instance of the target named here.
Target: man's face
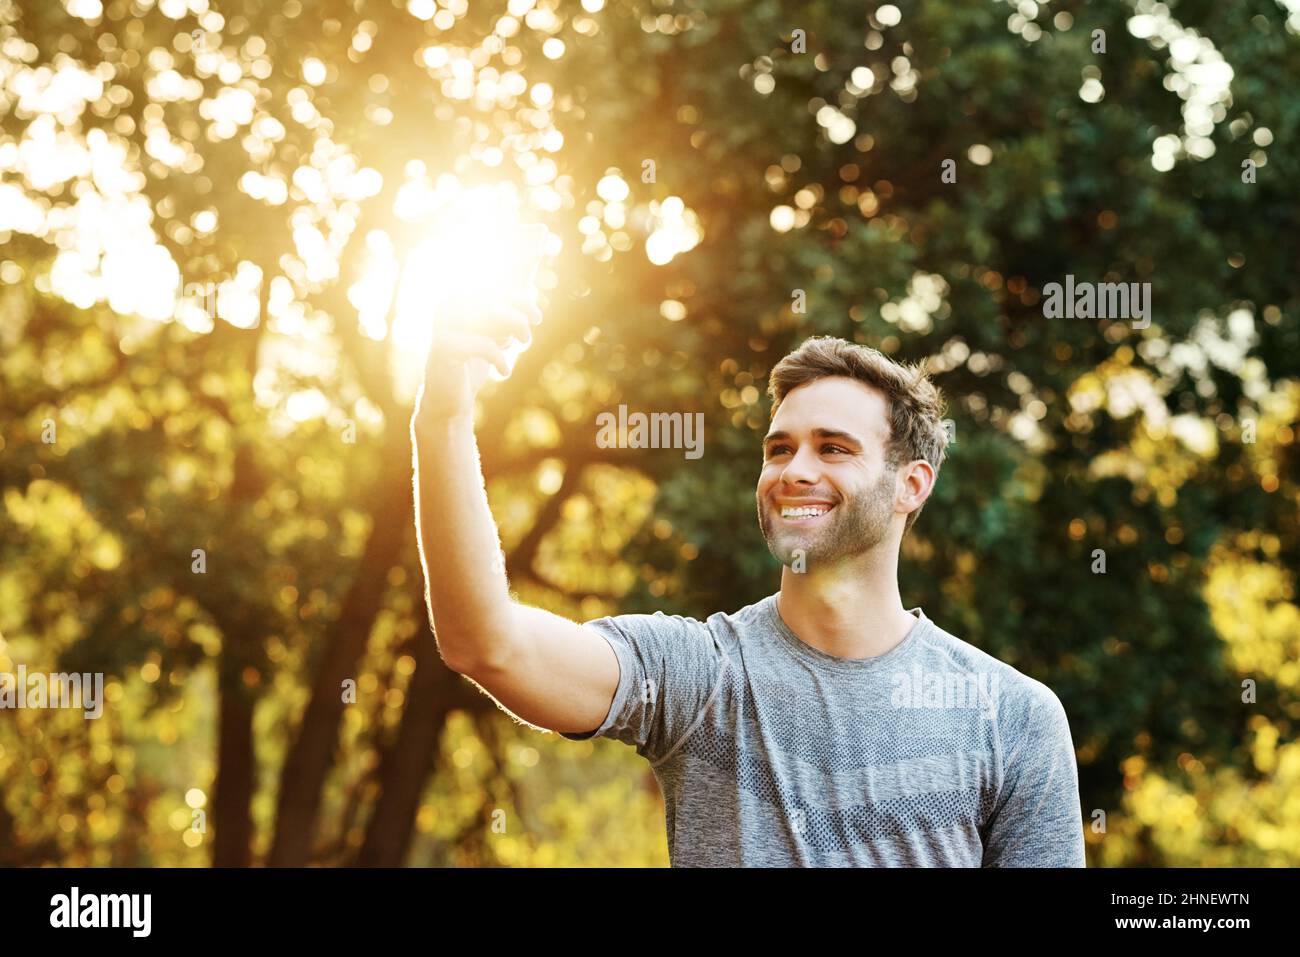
(825, 451)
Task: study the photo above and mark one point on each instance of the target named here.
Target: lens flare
(476, 256)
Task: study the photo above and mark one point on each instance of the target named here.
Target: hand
(469, 341)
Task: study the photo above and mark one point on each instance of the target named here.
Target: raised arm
(546, 669)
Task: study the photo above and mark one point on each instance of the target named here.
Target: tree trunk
(435, 691)
(233, 802)
(234, 785)
(302, 778)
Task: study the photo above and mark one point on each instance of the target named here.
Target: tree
(920, 176)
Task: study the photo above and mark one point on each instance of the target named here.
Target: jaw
(786, 536)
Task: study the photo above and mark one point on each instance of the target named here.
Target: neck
(850, 610)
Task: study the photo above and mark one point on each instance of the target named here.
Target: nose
(802, 469)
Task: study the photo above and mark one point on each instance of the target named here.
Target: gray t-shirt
(771, 752)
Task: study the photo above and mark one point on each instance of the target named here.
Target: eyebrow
(818, 433)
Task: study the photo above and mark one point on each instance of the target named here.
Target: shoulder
(673, 632)
(639, 624)
(1022, 701)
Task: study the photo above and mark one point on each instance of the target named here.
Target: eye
(782, 449)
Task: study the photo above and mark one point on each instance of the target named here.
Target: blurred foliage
(145, 144)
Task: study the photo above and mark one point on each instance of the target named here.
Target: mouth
(804, 514)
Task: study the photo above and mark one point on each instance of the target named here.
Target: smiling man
(825, 725)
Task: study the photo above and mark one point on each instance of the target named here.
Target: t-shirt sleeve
(1036, 820)
(670, 670)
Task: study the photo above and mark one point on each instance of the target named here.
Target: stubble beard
(854, 528)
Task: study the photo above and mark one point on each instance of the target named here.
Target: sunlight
(476, 254)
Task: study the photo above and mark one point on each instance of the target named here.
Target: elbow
(452, 662)
(463, 661)
(482, 652)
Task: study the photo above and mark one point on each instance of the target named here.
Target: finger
(524, 297)
(532, 310)
(458, 347)
(504, 342)
(492, 321)
(508, 323)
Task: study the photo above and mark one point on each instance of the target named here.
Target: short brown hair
(914, 404)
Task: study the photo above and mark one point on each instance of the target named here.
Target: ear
(916, 481)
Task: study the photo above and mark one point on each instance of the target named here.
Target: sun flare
(476, 254)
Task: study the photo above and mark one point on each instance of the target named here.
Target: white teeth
(807, 511)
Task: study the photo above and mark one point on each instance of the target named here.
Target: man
(825, 725)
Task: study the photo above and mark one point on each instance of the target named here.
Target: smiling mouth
(803, 514)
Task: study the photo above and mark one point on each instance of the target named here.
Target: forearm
(460, 550)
